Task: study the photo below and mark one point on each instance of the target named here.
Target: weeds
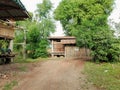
(28, 60)
(105, 76)
(9, 86)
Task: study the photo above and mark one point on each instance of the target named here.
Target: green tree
(87, 20)
(46, 26)
(43, 9)
(38, 30)
(83, 14)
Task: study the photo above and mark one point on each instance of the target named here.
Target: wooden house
(64, 46)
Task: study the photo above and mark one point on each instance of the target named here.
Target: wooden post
(24, 45)
(11, 45)
(52, 49)
(65, 51)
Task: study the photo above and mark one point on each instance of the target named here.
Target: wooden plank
(6, 31)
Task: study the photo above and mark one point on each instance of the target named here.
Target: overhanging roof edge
(20, 4)
(15, 10)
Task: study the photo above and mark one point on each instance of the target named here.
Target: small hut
(64, 46)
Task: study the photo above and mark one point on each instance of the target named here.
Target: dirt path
(56, 75)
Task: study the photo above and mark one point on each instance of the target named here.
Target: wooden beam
(7, 7)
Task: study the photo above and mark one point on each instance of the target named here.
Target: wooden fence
(76, 52)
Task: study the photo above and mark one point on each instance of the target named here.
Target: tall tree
(45, 21)
(87, 20)
(43, 9)
(46, 26)
(38, 30)
(83, 14)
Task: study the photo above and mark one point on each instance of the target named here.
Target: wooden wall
(68, 41)
(71, 52)
(58, 47)
(76, 52)
(68, 48)
(6, 31)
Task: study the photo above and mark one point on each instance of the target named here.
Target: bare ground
(55, 75)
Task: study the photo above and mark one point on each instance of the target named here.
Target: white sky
(115, 15)
(31, 6)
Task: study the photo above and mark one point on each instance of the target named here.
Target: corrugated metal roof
(12, 9)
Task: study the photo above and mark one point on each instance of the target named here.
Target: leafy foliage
(4, 44)
(104, 47)
(85, 15)
(42, 50)
(38, 30)
(44, 9)
(87, 20)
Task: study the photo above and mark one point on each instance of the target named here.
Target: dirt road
(56, 75)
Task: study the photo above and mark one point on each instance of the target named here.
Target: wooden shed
(64, 46)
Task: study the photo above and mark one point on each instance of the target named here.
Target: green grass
(105, 75)
(28, 60)
(9, 86)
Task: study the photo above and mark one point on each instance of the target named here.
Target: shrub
(105, 47)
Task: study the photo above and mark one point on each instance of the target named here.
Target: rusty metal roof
(12, 9)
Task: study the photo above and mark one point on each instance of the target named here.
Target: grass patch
(9, 86)
(105, 75)
(28, 60)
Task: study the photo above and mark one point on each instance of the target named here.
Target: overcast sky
(31, 6)
(116, 12)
